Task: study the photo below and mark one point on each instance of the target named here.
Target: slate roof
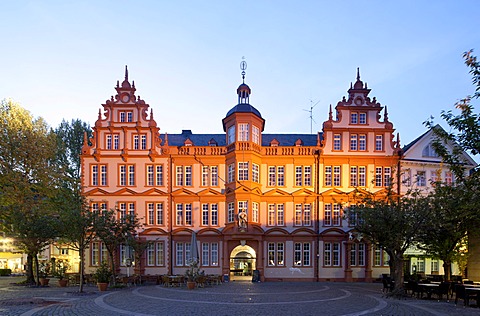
(220, 139)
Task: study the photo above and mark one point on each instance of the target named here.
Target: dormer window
(274, 143)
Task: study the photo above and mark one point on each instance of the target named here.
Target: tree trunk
(37, 269)
(398, 274)
(81, 268)
(447, 268)
(30, 275)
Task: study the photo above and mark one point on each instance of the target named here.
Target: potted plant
(102, 275)
(192, 273)
(61, 267)
(43, 272)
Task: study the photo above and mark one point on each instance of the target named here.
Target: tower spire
(243, 67)
(358, 73)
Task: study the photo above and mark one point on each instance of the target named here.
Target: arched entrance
(242, 263)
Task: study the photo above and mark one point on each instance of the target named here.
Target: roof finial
(358, 73)
(126, 73)
(243, 66)
(386, 114)
(330, 116)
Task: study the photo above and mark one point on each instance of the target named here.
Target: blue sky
(61, 59)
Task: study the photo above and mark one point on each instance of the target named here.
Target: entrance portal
(242, 263)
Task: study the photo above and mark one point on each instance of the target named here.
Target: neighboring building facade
(253, 201)
(421, 167)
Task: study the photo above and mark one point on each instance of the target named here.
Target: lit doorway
(242, 263)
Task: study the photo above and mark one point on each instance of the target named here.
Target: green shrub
(5, 272)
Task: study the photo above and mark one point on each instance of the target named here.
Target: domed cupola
(243, 92)
(243, 122)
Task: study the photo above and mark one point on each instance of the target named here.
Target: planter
(63, 282)
(44, 281)
(102, 287)
(190, 285)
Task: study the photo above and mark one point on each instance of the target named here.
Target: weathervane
(243, 66)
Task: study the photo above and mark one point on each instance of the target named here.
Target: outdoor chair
(443, 289)
(461, 293)
(201, 281)
(388, 285)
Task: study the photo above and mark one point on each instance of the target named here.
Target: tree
(391, 222)
(30, 178)
(444, 233)
(113, 232)
(76, 217)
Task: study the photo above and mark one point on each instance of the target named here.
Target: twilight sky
(61, 59)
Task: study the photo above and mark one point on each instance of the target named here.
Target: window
(380, 258)
(184, 214)
(434, 266)
(98, 253)
(184, 175)
(231, 173)
(337, 142)
(242, 171)
(276, 254)
(209, 254)
(150, 254)
(243, 207)
(136, 142)
(180, 254)
(122, 117)
(328, 176)
(209, 214)
(303, 176)
(358, 118)
(143, 144)
(301, 254)
(354, 118)
(353, 142)
(407, 177)
(99, 175)
(379, 142)
(362, 118)
(243, 132)
(357, 176)
(255, 173)
(378, 176)
(154, 175)
(429, 151)
(256, 135)
(109, 141)
(383, 176)
(210, 176)
(336, 175)
(327, 215)
(331, 254)
(362, 142)
(421, 178)
(160, 253)
(231, 134)
(332, 218)
(255, 212)
(139, 141)
(448, 177)
(352, 216)
(127, 172)
(231, 212)
(116, 141)
(357, 254)
(276, 176)
(276, 215)
(303, 214)
(155, 213)
(129, 116)
(126, 116)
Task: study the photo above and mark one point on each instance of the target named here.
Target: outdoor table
(175, 280)
(473, 289)
(428, 288)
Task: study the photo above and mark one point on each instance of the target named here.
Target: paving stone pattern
(233, 298)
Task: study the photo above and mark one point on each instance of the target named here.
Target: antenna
(311, 114)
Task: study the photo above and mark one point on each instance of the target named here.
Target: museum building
(248, 200)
